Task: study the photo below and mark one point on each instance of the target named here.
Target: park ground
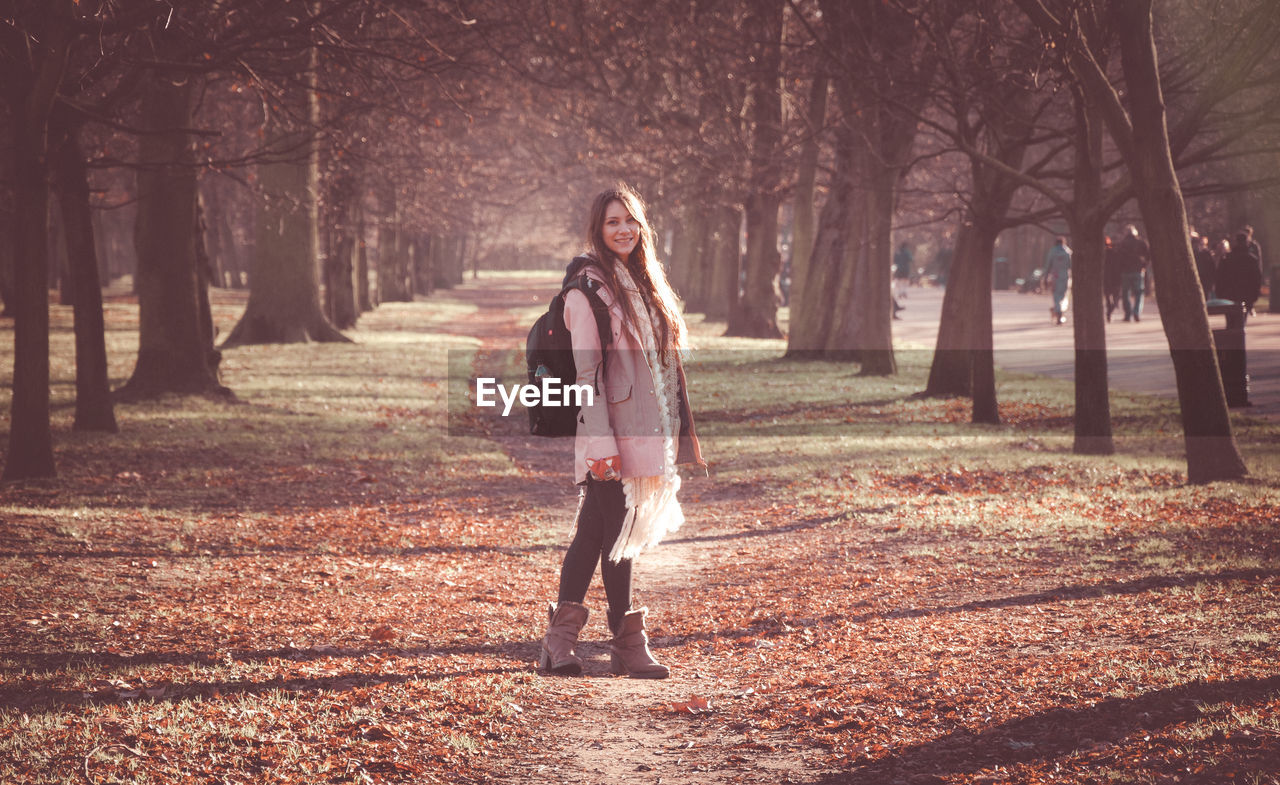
(333, 580)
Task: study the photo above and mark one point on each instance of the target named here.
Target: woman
(629, 440)
(1057, 270)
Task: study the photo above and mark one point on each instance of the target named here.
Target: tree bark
(757, 313)
(806, 176)
(364, 295)
(30, 454)
(393, 251)
(725, 252)
(94, 409)
(284, 280)
(690, 258)
(950, 373)
(340, 262)
(862, 329)
(813, 304)
(963, 359)
(1088, 221)
(58, 261)
(7, 239)
(174, 345)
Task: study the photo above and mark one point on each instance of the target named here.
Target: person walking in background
(1132, 256)
(903, 261)
(1057, 271)
(629, 440)
(1251, 245)
(1240, 274)
(1220, 250)
(1110, 277)
(1206, 267)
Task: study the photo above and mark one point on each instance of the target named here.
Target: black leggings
(599, 524)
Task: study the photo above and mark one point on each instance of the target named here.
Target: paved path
(1138, 353)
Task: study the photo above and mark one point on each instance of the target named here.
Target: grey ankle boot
(566, 620)
(629, 649)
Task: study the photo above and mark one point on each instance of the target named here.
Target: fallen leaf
(692, 706)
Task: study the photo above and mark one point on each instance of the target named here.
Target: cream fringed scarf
(652, 509)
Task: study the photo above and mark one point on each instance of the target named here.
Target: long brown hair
(642, 263)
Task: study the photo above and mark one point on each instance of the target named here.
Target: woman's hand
(604, 469)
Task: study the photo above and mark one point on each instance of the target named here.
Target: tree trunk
(212, 221)
(173, 341)
(982, 354)
(964, 360)
(806, 176)
(690, 258)
(284, 280)
(204, 278)
(58, 251)
(393, 250)
(94, 410)
(950, 373)
(757, 313)
(364, 299)
(1089, 321)
(426, 253)
(724, 250)
(1212, 453)
(862, 320)
(340, 261)
(30, 454)
(8, 232)
(813, 304)
(678, 262)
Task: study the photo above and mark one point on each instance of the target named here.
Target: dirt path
(600, 728)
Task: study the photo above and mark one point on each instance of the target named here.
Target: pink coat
(624, 418)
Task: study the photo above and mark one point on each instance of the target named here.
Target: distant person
(1246, 232)
(1206, 266)
(1240, 274)
(629, 440)
(1057, 272)
(1132, 256)
(1220, 249)
(1111, 283)
(903, 261)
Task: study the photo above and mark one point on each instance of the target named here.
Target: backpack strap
(588, 287)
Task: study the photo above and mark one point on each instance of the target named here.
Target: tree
(35, 50)
(992, 111)
(757, 311)
(94, 410)
(843, 311)
(175, 347)
(1138, 125)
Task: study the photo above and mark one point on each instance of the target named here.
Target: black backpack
(548, 352)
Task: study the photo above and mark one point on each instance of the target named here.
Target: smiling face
(621, 231)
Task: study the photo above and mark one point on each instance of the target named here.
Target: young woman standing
(630, 440)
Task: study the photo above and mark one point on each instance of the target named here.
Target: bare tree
(1138, 125)
(34, 49)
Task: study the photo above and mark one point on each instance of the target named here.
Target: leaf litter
(956, 622)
